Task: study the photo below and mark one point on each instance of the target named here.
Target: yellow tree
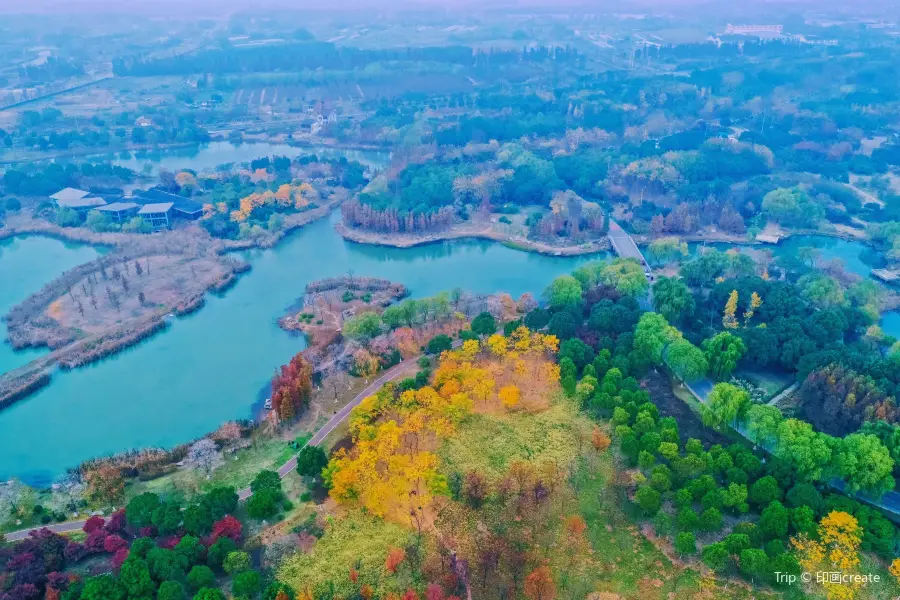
(894, 569)
(755, 302)
(509, 396)
(836, 550)
(729, 321)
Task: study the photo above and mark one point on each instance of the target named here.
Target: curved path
(286, 468)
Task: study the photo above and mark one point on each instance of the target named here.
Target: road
(287, 467)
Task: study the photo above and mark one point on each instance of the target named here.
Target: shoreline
(404, 241)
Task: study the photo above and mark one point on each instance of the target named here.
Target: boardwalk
(623, 244)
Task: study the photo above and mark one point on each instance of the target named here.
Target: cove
(211, 367)
(27, 263)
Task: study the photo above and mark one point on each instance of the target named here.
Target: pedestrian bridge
(624, 245)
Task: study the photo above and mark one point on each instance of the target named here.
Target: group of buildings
(158, 208)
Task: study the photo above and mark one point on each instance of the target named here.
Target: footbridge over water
(624, 245)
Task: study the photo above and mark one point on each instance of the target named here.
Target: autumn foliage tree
(835, 550)
(539, 584)
(292, 388)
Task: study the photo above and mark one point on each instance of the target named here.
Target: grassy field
(771, 383)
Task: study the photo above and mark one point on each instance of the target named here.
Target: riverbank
(467, 231)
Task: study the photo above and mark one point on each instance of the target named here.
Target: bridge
(624, 245)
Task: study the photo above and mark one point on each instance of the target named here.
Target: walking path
(623, 243)
(286, 468)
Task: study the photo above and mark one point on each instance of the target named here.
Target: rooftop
(117, 206)
(160, 207)
(188, 207)
(80, 202)
(70, 194)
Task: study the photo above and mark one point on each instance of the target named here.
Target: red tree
(93, 524)
(228, 527)
(119, 557)
(434, 592)
(291, 388)
(113, 543)
(116, 522)
(94, 542)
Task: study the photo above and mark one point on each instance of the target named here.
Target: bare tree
(204, 455)
(125, 285)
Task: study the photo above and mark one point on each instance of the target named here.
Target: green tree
(716, 557)
(209, 594)
(563, 292)
(711, 519)
(97, 221)
(197, 519)
(103, 587)
(139, 510)
(362, 328)
(803, 520)
(166, 517)
(484, 324)
(667, 249)
(651, 337)
(864, 464)
(134, 575)
(753, 563)
(626, 276)
(236, 562)
(726, 404)
(580, 353)
(137, 225)
(672, 299)
(246, 584)
(685, 543)
(808, 451)
(66, 217)
(686, 360)
(311, 460)
(765, 491)
(264, 503)
(201, 576)
(220, 501)
(439, 343)
(191, 550)
(216, 554)
(170, 590)
(774, 520)
(736, 542)
(562, 325)
(165, 564)
(723, 351)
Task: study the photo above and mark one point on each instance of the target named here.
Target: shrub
(685, 543)
(648, 499)
(711, 520)
(715, 556)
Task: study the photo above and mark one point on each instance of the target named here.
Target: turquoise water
(26, 265)
(212, 366)
(209, 156)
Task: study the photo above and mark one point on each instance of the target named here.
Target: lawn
(772, 383)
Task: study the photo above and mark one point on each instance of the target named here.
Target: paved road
(287, 467)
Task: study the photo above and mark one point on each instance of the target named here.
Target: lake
(208, 156)
(214, 365)
(26, 265)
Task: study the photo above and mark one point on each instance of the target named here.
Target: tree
(685, 543)
(264, 503)
(140, 509)
(362, 328)
(563, 292)
(723, 351)
(716, 557)
(539, 584)
(686, 360)
(836, 549)
(753, 562)
(864, 464)
(651, 336)
(509, 396)
(197, 519)
(765, 491)
(166, 517)
(311, 460)
(807, 451)
(580, 353)
(235, 562)
(774, 520)
(220, 501)
(209, 594)
(66, 217)
(439, 343)
(170, 590)
(729, 318)
(203, 454)
(135, 577)
(672, 299)
(292, 388)
(626, 276)
(191, 550)
(246, 584)
(726, 403)
(218, 551)
(136, 225)
(103, 587)
(562, 325)
(228, 527)
(666, 249)
(484, 324)
(648, 499)
(97, 222)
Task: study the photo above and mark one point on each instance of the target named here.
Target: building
(159, 215)
(78, 200)
(754, 29)
(119, 212)
(182, 207)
